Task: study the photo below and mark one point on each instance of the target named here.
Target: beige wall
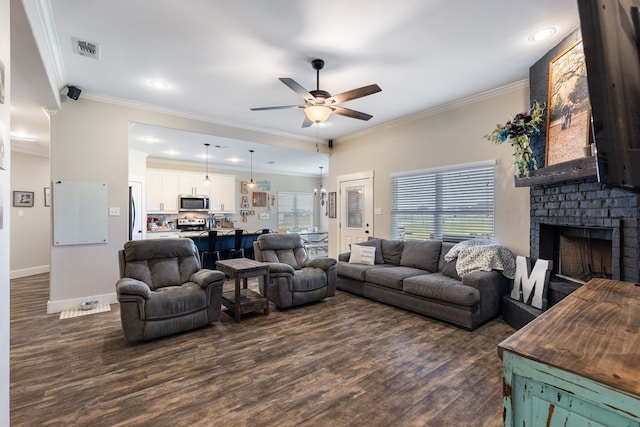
(449, 136)
(89, 142)
(5, 115)
(30, 227)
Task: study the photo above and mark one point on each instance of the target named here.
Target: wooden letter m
(531, 285)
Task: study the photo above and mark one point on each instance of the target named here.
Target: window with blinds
(295, 211)
(451, 204)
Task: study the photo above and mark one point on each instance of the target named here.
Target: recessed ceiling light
(159, 84)
(234, 160)
(149, 139)
(171, 152)
(542, 34)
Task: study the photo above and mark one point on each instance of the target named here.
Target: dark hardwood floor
(346, 361)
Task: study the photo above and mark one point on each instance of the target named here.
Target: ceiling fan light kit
(317, 113)
(319, 104)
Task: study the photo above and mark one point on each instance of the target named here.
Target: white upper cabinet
(164, 186)
(162, 191)
(223, 193)
(193, 184)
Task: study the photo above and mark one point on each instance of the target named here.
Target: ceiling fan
(319, 104)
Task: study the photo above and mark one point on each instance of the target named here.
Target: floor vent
(85, 48)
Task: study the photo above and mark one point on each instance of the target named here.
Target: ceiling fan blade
(281, 107)
(351, 113)
(297, 88)
(353, 94)
(306, 122)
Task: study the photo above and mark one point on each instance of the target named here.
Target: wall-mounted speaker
(74, 92)
(330, 143)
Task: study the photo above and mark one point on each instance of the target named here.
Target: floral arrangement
(517, 132)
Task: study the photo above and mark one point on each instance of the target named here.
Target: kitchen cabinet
(162, 191)
(193, 183)
(577, 364)
(223, 193)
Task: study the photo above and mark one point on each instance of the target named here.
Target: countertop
(594, 333)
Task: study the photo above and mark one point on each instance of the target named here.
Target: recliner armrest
(323, 263)
(130, 286)
(205, 277)
(278, 267)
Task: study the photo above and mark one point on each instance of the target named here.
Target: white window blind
(295, 211)
(451, 203)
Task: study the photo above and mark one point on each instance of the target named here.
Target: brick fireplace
(588, 230)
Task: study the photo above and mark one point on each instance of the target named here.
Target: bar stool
(211, 255)
(238, 249)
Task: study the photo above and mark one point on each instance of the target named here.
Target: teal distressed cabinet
(578, 364)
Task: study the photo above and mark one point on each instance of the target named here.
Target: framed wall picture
(259, 199)
(568, 111)
(243, 187)
(23, 199)
(47, 196)
(332, 204)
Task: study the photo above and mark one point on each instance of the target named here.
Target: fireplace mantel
(573, 169)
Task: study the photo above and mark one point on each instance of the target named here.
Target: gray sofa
(162, 289)
(415, 276)
(295, 278)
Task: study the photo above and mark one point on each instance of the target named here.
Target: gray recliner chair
(294, 277)
(163, 290)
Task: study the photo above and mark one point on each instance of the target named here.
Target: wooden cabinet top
(594, 333)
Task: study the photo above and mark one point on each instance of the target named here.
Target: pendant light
(322, 190)
(207, 181)
(251, 182)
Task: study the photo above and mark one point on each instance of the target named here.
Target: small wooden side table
(242, 299)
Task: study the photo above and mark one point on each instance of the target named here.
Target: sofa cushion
(444, 249)
(439, 287)
(390, 277)
(422, 254)
(375, 242)
(391, 251)
(362, 255)
(175, 301)
(309, 279)
(451, 269)
(356, 271)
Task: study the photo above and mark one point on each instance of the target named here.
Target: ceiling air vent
(85, 48)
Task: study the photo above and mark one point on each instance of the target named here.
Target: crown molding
(94, 96)
(38, 13)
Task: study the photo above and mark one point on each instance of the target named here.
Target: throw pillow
(376, 244)
(362, 255)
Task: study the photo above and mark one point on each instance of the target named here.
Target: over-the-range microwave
(190, 202)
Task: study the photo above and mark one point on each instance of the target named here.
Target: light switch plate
(114, 211)
(377, 211)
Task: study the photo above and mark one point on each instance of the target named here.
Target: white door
(356, 209)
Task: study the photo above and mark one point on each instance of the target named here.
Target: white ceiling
(222, 58)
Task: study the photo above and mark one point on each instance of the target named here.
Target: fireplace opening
(580, 254)
(582, 259)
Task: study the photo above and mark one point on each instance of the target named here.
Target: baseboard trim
(31, 271)
(58, 306)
